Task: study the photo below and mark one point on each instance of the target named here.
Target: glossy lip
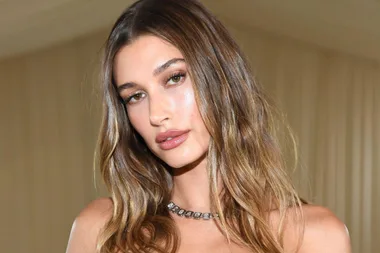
(161, 137)
(178, 137)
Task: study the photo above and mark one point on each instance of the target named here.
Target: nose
(159, 110)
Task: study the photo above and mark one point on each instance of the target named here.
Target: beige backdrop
(50, 112)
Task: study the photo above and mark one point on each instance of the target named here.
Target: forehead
(142, 56)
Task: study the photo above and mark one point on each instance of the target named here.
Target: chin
(185, 162)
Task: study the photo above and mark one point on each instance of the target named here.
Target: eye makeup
(176, 78)
(135, 96)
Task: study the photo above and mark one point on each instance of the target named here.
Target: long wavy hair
(243, 152)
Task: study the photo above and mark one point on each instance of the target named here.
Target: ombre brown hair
(243, 152)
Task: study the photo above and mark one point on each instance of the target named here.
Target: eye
(133, 99)
(175, 78)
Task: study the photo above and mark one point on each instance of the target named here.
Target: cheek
(188, 106)
(191, 110)
(139, 122)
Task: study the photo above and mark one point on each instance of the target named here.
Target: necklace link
(190, 214)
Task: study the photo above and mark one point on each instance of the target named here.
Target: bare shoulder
(87, 225)
(320, 231)
(324, 232)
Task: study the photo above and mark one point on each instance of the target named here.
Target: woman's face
(153, 79)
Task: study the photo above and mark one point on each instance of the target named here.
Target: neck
(191, 187)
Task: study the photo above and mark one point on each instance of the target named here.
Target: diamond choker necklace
(190, 214)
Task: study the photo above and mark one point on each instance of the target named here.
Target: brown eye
(135, 98)
(176, 78)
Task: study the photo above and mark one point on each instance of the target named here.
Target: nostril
(158, 111)
(158, 119)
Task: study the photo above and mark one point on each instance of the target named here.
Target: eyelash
(177, 74)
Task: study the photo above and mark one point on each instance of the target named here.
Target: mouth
(171, 139)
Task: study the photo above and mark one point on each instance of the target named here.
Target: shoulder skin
(87, 225)
(323, 233)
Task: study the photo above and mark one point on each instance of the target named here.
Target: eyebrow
(156, 72)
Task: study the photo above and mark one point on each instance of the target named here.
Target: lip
(178, 137)
(161, 137)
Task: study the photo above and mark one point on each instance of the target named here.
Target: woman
(187, 148)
